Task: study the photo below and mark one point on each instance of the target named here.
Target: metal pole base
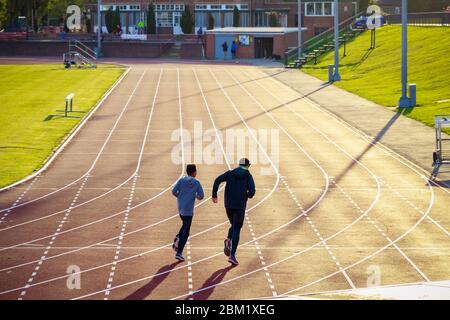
(337, 77)
(404, 103)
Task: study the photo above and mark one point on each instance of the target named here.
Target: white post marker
(337, 76)
(299, 21)
(404, 101)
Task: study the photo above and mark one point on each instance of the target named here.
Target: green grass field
(375, 74)
(28, 95)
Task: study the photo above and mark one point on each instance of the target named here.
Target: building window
(216, 7)
(228, 19)
(320, 9)
(244, 19)
(262, 19)
(164, 19)
(200, 19)
(216, 17)
(201, 7)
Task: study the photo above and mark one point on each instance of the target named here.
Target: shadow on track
(147, 289)
(210, 284)
(434, 177)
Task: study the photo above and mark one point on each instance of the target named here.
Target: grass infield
(375, 74)
(29, 94)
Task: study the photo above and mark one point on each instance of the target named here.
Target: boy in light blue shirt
(187, 189)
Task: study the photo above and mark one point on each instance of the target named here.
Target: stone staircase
(174, 52)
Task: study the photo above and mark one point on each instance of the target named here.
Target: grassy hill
(28, 95)
(375, 74)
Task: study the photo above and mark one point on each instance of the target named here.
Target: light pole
(299, 21)
(404, 101)
(336, 76)
(99, 30)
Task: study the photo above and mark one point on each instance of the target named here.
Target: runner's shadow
(210, 284)
(147, 289)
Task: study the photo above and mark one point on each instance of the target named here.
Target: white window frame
(322, 5)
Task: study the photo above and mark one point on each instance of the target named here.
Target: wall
(58, 48)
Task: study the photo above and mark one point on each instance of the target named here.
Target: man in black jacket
(239, 188)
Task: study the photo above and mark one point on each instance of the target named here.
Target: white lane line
(183, 161)
(261, 258)
(401, 196)
(224, 154)
(133, 188)
(90, 200)
(16, 203)
(189, 270)
(169, 244)
(119, 243)
(353, 202)
(312, 225)
(378, 144)
(37, 268)
(374, 224)
(62, 146)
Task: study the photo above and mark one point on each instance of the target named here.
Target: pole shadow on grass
(147, 289)
(210, 284)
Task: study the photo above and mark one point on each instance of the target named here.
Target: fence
(320, 39)
(422, 19)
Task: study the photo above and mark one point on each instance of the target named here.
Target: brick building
(317, 14)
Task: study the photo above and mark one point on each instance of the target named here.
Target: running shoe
(179, 257)
(175, 243)
(227, 247)
(232, 260)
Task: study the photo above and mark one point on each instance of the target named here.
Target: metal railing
(422, 19)
(87, 55)
(320, 39)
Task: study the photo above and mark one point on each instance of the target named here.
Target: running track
(335, 209)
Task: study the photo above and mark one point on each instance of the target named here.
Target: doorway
(263, 48)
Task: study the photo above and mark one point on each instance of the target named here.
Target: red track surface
(335, 208)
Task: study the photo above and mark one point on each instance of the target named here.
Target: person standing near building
(233, 50)
(186, 190)
(240, 187)
(200, 34)
(225, 50)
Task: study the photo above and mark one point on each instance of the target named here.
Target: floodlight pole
(99, 30)
(404, 101)
(336, 76)
(299, 21)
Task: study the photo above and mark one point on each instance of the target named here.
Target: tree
(116, 19)
(273, 20)
(186, 21)
(88, 24)
(236, 17)
(2, 14)
(210, 21)
(109, 20)
(151, 21)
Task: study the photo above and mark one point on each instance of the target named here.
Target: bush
(210, 21)
(186, 21)
(236, 17)
(151, 22)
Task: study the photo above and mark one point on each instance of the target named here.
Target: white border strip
(71, 135)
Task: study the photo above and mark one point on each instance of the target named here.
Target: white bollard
(412, 88)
